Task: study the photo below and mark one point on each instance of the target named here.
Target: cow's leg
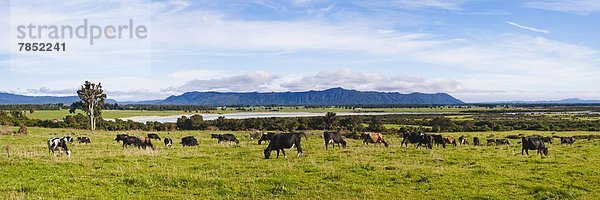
(283, 151)
(523, 151)
(299, 150)
(277, 153)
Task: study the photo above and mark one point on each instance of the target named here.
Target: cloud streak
(527, 27)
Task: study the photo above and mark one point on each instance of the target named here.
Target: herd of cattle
(281, 141)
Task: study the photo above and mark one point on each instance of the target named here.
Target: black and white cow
(59, 144)
(462, 140)
(284, 141)
(333, 138)
(85, 140)
(168, 142)
(567, 140)
(534, 143)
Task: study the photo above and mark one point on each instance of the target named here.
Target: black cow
(439, 139)
(83, 140)
(225, 137)
(131, 140)
(333, 138)
(266, 137)
(154, 136)
(168, 142)
(462, 140)
(476, 141)
(502, 142)
(420, 138)
(284, 141)
(567, 140)
(189, 141)
(491, 142)
(534, 143)
(121, 137)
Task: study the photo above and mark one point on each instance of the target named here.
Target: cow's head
(68, 153)
(545, 151)
(267, 153)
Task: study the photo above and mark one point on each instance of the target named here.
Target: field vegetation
(104, 170)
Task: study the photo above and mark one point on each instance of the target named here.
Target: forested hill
(334, 96)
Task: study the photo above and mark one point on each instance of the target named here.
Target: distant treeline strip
(427, 123)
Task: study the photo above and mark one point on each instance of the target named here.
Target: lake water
(246, 115)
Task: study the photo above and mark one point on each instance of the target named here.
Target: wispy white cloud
(582, 7)
(528, 27)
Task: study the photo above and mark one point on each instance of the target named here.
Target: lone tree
(92, 101)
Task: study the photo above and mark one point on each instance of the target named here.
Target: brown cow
(373, 138)
(450, 140)
(146, 141)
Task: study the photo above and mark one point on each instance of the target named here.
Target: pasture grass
(103, 170)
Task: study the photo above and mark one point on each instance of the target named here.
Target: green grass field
(103, 170)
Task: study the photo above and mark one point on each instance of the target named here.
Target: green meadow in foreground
(103, 170)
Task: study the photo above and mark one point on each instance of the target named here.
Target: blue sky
(475, 50)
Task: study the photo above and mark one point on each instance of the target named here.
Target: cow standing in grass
(333, 138)
(373, 138)
(533, 143)
(168, 142)
(284, 141)
(59, 144)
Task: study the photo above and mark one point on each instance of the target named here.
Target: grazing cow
(154, 136)
(567, 140)
(284, 141)
(189, 141)
(168, 142)
(373, 138)
(266, 137)
(534, 143)
(59, 144)
(225, 137)
(131, 140)
(83, 140)
(476, 141)
(502, 142)
(333, 138)
(439, 139)
(121, 137)
(462, 140)
(450, 140)
(419, 138)
(145, 142)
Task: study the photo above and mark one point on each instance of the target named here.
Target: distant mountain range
(563, 101)
(7, 98)
(334, 96)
